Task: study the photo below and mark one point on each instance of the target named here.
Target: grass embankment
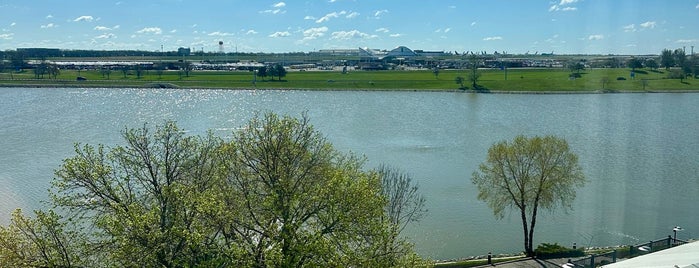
(477, 262)
(493, 80)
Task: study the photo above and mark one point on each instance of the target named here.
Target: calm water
(640, 152)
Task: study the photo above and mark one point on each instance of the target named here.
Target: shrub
(552, 251)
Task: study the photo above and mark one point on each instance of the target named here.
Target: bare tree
(404, 204)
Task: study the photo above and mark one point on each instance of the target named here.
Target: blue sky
(515, 26)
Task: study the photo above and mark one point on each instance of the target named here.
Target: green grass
(518, 80)
(474, 263)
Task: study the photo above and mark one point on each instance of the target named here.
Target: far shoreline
(467, 91)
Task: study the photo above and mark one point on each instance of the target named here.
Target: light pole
(674, 231)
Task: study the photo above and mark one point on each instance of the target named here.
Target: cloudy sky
(562, 26)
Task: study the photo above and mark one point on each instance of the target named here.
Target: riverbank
(467, 91)
(528, 81)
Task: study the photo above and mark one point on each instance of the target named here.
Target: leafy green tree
(124, 70)
(612, 62)
(159, 69)
(680, 57)
(634, 63)
(651, 63)
(526, 175)
(677, 74)
(279, 71)
(18, 62)
(277, 195)
(186, 67)
(272, 71)
(145, 199)
(667, 59)
(575, 66)
(262, 72)
(41, 69)
(605, 81)
(693, 65)
(301, 202)
(53, 70)
(106, 71)
(44, 241)
(139, 71)
(474, 75)
(460, 81)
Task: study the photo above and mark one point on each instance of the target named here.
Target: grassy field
(518, 80)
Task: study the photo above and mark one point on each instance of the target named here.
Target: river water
(640, 152)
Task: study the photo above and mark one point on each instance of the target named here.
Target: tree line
(278, 194)
(678, 64)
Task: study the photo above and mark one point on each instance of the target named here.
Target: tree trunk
(527, 244)
(531, 232)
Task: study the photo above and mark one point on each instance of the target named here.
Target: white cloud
(106, 36)
(7, 36)
(492, 38)
(353, 34)
(327, 17)
(277, 9)
(251, 32)
(396, 35)
(48, 26)
(630, 28)
(566, 2)
(49, 16)
(473, 23)
(447, 30)
(648, 24)
(595, 37)
(314, 33)
(150, 30)
(383, 30)
(173, 31)
(697, 7)
(84, 18)
(352, 15)
(274, 11)
(279, 34)
(686, 41)
(309, 18)
(102, 28)
(217, 33)
(13, 24)
(378, 13)
(563, 5)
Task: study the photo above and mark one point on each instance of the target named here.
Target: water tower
(222, 51)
